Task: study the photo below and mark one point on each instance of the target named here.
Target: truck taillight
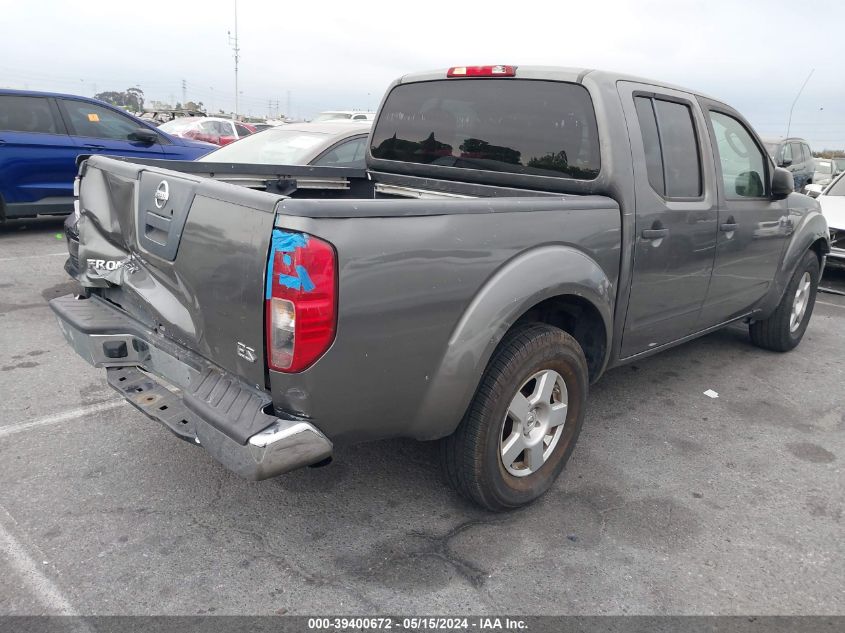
(301, 300)
(481, 71)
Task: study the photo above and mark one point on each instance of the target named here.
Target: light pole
(233, 42)
(789, 123)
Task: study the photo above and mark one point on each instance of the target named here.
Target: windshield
(837, 188)
(824, 167)
(840, 164)
(270, 147)
(543, 128)
(332, 116)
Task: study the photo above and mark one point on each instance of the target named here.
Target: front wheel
(524, 421)
(785, 328)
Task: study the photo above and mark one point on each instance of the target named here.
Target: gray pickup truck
(517, 232)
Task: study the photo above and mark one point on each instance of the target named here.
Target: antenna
(789, 123)
(233, 42)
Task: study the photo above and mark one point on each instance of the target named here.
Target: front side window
(742, 162)
(520, 126)
(92, 120)
(671, 147)
(26, 114)
(787, 154)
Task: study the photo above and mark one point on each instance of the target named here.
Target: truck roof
(561, 73)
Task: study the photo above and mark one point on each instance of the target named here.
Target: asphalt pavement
(673, 502)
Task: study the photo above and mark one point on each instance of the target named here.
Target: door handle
(93, 146)
(727, 227)
(654, 234)
(2, 142)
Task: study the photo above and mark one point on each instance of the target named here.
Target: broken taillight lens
(300, 300)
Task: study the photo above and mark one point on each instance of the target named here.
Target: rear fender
(520, 284)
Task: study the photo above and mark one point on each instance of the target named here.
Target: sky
(752, 54)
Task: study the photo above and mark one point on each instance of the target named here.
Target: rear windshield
(177, 125)
(520, 126)
(278, 146)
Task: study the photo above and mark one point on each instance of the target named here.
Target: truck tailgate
(184, 255)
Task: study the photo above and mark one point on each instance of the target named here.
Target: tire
(780, 332)
(530, 359)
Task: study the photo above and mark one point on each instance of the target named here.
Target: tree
(197, 106)
(132, 99)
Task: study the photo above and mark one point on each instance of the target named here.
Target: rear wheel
(524, 421)
(785, 328)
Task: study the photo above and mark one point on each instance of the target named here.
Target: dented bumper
(195, 399)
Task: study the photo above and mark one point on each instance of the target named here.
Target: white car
(344, 115)
(832, 200)
(210, 129)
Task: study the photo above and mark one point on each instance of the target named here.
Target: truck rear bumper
(195, 399)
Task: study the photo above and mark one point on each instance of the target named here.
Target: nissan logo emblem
(162, 194)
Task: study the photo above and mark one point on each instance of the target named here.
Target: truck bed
(410, 274)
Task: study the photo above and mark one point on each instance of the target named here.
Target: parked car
(839, 161)
(518, 231)
(157, 117)
(42, 134)
(324, 144)
(344, 115)
(210, 129)
(832, 201)
(795, 155)
(824, 172)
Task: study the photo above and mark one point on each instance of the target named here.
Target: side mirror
(144, 135)
(786, 162)
(782, 183)
(813, 190)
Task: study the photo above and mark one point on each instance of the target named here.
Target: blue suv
(42, 133)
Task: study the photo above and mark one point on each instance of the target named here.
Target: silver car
(324, 144)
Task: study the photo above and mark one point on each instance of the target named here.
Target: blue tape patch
(287, 242)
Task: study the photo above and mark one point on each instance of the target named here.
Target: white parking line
(60, 417)
(14, 259)
(832, 305)
(29, 569)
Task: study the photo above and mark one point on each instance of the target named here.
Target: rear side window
(671, 147)
(518, 126)
(27, 114)
(797, 153)
(348, 154)
(242, 130)
(92, 120)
